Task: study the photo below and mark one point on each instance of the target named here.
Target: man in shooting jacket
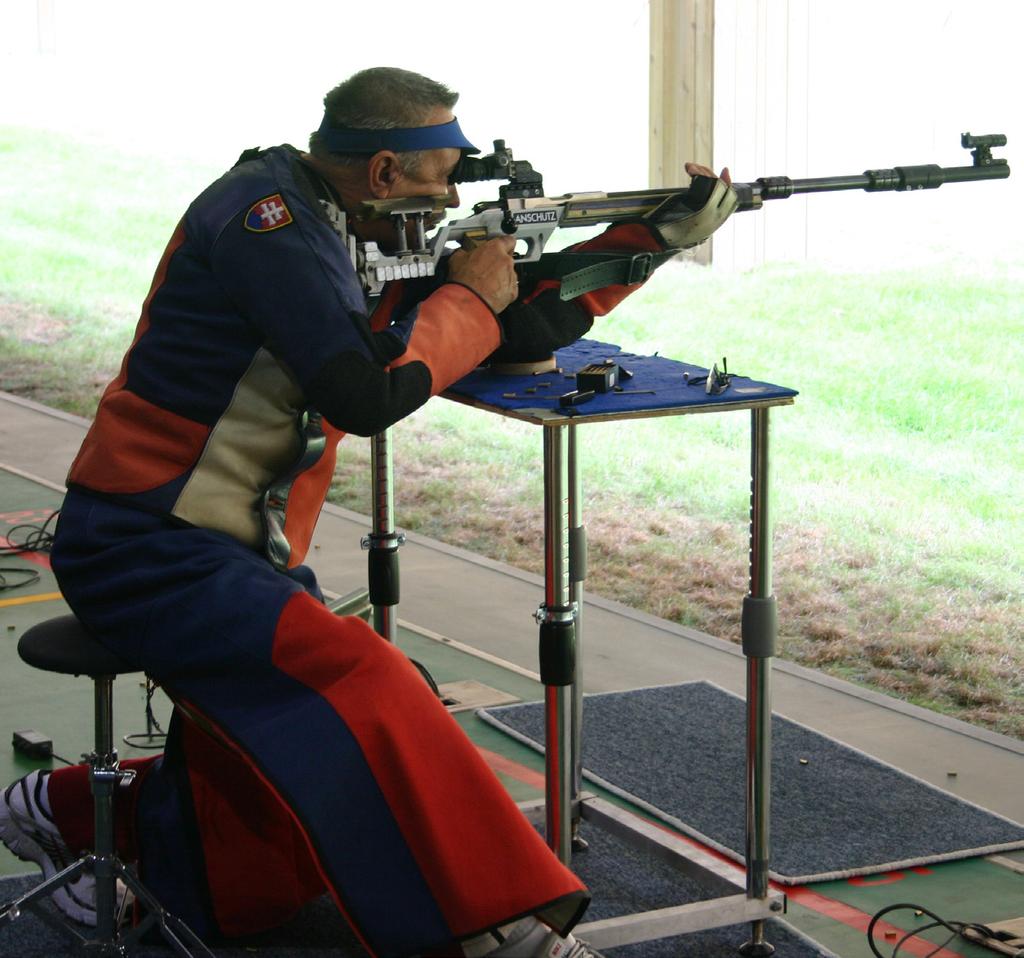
(305, 755)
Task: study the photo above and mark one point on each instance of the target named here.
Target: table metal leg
(557, 646)
(742, 899)
(759, 632)
(383, 541)
(577, 576)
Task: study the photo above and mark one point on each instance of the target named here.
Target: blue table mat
(656, 383)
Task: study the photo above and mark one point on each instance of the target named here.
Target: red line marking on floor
(39, 558)
(512, 768)
(25, 515)
(855, 918)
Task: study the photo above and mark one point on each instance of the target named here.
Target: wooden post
(46, 25)
(682, 81)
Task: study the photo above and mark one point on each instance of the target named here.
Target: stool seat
(63, 645)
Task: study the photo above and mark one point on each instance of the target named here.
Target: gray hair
(382, 98)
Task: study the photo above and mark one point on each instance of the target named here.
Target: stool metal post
(557, 646)
(383, 541)
(759, 638)
(103, 716)
(103, 777)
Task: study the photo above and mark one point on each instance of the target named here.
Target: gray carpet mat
(622, 880)
(678, 752)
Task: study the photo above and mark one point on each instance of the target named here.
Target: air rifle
(522, 210)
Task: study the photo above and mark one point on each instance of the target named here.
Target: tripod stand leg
(13, 909)
(184, 942)
(174, 931)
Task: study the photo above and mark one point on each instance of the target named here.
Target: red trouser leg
(258, 865)
(347, 761)
(256, 858)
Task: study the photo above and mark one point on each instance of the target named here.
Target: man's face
(430, 178)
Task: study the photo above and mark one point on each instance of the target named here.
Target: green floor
(834, 913)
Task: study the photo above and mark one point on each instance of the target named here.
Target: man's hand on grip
(489, 270)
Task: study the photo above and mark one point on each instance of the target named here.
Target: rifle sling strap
(581, 273)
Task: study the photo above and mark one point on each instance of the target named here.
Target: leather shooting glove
(688, 218)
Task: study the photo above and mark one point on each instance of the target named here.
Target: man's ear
(383, 172)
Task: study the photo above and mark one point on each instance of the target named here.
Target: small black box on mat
(600, 377)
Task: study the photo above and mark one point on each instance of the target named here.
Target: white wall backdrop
(564, 83)
(803, 87)
(829, 87)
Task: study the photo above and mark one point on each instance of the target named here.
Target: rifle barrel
(900, 178)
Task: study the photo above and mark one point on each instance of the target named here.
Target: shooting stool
(63, 645)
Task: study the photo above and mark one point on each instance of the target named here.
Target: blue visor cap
(343, 139)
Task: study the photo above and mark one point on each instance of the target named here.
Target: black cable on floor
(30, 577)
(956, 929)
(38, 538)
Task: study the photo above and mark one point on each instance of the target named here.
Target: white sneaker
(28, 830)
(568, 947)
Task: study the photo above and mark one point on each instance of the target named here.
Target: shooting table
(657, 387)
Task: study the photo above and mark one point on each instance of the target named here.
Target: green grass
(904, 433)
(896, 473)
